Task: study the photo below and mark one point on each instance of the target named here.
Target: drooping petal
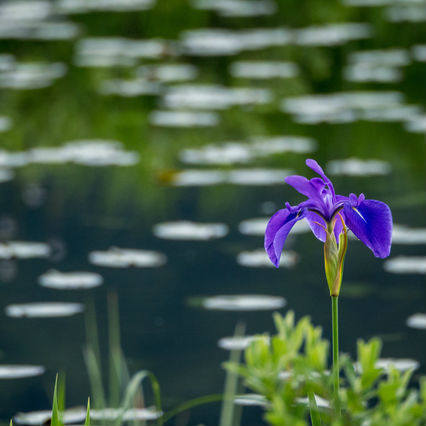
(277, 230)
(317, 225)
(371, 222)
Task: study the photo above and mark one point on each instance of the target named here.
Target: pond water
(143, 146)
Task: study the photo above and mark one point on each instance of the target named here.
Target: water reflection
(239, 343)
(20, 371)
(264, 70)
(193, 177)
(185, 230)
(43, 310)
(70, 280)
(31, 75)
(259, 259)
(406, 235)
(417, 321)
(213, 97)
(345, 107)
(183, 118)
(116, 257)
(237, 8)
(406, 265)
(358, 167)
(243, 302)
(23, 250)
(239, 152)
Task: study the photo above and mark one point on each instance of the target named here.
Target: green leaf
(55, 421)
(87, 420)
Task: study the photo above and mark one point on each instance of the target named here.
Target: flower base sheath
(329, 215)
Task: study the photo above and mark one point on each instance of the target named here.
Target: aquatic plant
(329, 215)
(288, 373)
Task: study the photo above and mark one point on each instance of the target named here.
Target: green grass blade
(227, 413)
(191, 404)
(313, 409)
(95, 377)
(87, 420)
(133, 389)
(55, 408)
(115, 359)
(11, 422)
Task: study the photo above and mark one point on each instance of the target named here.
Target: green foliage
(289, 370)
(125, 392)
(87, 419)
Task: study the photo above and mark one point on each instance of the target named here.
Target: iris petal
(277, 230)
(317, 225)
(371, 222)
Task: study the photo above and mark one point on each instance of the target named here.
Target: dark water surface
(205, 112)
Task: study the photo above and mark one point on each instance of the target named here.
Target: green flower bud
(334, 257)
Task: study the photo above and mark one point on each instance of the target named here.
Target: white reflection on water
(415, 12)
(43, 310)
(168, 72)
(116, 257)
(78, 414)
(6, 175)
(223, 42)
(373, 3)
(31, 75)
(237, 177)
(251, 399)
(165, 118)
(84, 152)
(320, 402)
(259, 259)
(185, 230)
(244, 302)
(23, 250)
(416, 124)
(358, 167)
(406, 265)
(377, 65)
(70, 416)
(257, 176)
(20, 371)
(239, 342)
(238, 152)
(392, 113)
(70, 280)
(257, 226)
(401, 364)
(5, 123)
(84, 6)
(237, 8)
(264, 70)
(129, 88)
(339, 107)
(419, 52)
(333, 34)
(402, 234)
(417, 321)
(131, 414)
(116, 51)
(213, 96)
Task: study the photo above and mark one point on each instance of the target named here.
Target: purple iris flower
(369, 220)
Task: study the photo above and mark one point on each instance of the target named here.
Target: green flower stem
(335, 321)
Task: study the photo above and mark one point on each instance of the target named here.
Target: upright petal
(371, 222)
(277, 230)
(312, 164)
